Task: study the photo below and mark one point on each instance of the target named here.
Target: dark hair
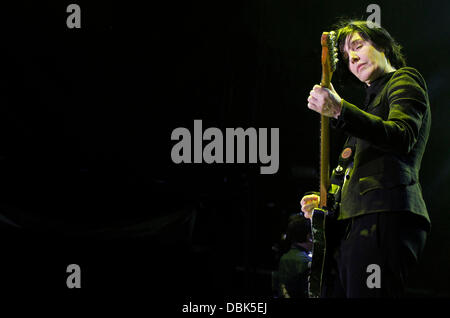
(378, 36)
(298, 228)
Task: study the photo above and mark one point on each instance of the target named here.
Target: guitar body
(325, 235)
(319, 237)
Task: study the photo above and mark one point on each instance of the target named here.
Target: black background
(86, 119)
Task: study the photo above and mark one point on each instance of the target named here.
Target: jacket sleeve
(407, 101)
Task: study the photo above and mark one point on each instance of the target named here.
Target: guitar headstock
(328, 42)
(329, 56)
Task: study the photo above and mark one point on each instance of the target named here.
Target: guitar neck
(327, 65)
(324, 160)
(324, 144)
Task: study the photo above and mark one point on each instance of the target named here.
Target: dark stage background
(87, 115)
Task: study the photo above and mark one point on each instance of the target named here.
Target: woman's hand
(309, 203)
(325, 101)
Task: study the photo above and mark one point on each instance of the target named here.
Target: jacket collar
(375, 87)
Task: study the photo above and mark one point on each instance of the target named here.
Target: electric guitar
(321, 216)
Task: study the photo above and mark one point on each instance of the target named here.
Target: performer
(383, 219)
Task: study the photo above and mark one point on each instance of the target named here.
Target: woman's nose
(354, 57)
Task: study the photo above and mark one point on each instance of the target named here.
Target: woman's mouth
(360, 66)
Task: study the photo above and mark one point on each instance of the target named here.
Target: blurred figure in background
(291, 280)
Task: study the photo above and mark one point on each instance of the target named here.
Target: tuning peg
(336, 61)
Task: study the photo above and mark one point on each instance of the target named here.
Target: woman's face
(364, 60)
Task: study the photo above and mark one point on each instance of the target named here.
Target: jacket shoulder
(408, 74)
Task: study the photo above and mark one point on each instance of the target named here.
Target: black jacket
(390, 139)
